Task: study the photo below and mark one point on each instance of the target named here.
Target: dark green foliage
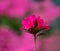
(12, 23)
(56, 24)
(56, 2)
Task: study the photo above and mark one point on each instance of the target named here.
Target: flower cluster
(34, 24)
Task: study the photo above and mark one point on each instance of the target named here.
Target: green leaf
(13, 23)
(56, 2)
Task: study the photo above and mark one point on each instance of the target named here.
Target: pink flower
(3, 6)
(17, 8)
(34, 24)
(40, 22)
(47, 27)
(29, 22)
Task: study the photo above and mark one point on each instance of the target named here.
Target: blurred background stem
(34, 43)
(42, 45)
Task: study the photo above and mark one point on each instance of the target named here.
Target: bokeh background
(12, 38)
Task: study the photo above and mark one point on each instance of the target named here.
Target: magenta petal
(29, 22)
(40, 22)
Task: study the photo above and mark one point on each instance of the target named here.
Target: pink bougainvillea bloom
(47, 27)
(17, 8)
(40, 22)
(34, 24)
(29, 22)
(3, 6)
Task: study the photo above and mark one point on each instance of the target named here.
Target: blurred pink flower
(12, 42)
(17, 8)
(16, 12)
(14, 8)
(3, 6)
